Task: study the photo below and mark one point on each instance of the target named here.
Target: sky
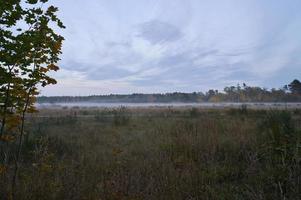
(158, 46)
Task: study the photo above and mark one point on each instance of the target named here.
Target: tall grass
(160, 154)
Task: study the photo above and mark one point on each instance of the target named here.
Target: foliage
(29, 49)
(295, 87)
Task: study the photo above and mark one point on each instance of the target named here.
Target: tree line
(238, 93)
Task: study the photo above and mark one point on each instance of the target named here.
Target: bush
(121, 116)
(193, 112)
(280, 153)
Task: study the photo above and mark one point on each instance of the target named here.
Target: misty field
(166, 153)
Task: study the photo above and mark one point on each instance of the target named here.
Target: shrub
(121, 116)
(280, 153)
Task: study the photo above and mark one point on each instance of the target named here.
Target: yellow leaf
(2, 169)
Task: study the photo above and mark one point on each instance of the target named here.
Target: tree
(29, 49)
(295, 87)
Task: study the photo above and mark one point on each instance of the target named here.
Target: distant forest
(239, 93)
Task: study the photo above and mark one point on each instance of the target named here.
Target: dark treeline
(239, 93)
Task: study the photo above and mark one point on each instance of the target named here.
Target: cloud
(174, 45)
(157, 31)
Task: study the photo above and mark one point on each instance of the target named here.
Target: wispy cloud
(174, 45)
(156, 31)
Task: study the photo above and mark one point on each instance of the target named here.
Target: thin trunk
(5, 109)
(14, 180)
(3, 123)
(6, 102)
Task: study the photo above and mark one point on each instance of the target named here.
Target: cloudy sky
(146, 46)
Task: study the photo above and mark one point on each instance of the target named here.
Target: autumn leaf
(53, 67)
(2, 169)
(7, 138)
(43, 69)
(116, 151)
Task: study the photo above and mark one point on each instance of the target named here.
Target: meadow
(160, 153)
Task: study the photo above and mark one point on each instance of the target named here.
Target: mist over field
(150, 99)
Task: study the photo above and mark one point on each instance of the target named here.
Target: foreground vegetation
(151, 153)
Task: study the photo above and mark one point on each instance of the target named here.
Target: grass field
(166, 153)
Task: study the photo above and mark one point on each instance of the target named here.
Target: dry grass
(161, 154)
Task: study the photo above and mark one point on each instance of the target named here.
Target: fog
(201, 105)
